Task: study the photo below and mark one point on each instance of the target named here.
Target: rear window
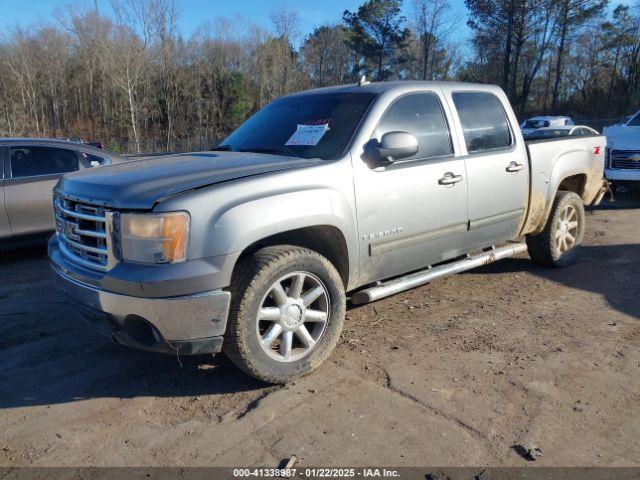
(536, 124)
(484, 122)
(551, 133)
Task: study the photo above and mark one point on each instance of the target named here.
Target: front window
(421, 115)
(309, 126)
(31, 161)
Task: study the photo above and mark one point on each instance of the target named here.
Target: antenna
(363, 81)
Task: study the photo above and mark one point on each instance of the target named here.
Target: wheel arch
(327, 240)
(572, 181)
(575, 183)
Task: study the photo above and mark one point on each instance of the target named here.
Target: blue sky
(194, 12)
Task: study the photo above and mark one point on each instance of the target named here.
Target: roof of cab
(381, 87)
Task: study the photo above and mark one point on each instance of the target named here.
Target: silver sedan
(29, 169)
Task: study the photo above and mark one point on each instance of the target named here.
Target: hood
(622, 138)
(140, 184)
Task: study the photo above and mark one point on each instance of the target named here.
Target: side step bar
(433, 273)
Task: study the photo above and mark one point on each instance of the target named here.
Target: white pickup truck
(622, 165)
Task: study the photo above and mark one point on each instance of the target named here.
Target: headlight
(154, 238)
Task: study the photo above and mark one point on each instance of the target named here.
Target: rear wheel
(556, 245)
(287, 312)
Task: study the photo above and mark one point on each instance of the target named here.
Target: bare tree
(131, 79)
(286, 23)
(326, 57)
(573, 13)
(129, 50)
(430, 19)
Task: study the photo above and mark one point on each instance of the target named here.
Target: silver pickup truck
(361, 191)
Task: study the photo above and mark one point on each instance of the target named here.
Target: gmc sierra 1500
(369, 189)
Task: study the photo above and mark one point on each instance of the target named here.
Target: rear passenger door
(412, 213)
(497, 169)
(33, 172)
(5, 227)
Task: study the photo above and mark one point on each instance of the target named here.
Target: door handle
(449, 179)
(515, 167)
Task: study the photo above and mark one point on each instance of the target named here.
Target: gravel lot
(453, 373)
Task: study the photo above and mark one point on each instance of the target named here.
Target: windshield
(309, 126)
(635, 121)
(536, 123)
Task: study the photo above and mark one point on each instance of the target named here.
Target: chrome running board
(422, 277)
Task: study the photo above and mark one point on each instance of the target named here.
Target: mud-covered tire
(547, 247)
(252, 286)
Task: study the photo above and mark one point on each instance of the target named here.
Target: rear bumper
(189, 324)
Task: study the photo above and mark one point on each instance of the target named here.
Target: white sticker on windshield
(308, 135)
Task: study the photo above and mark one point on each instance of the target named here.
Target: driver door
(411, 213)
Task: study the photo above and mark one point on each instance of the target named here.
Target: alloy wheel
(567, 230)
(293, 316)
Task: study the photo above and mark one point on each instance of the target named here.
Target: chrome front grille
(625, 159)
(85, 232)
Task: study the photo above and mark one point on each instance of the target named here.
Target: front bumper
(188, 324)
(619, 175)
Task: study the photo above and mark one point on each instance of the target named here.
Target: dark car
(29, 169)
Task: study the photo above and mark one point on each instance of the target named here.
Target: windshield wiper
(274, 149)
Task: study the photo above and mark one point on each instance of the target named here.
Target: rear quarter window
(93, 160)
(484, 121)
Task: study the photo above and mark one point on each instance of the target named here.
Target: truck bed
(553, 161)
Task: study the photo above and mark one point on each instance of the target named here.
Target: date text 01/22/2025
(316, 472)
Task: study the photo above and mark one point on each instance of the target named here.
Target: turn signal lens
(154, 238)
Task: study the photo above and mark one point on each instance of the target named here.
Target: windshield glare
(309, 126)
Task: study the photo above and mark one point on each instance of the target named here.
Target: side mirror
(392, 146)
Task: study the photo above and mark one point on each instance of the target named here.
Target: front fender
(228, 218)
(251, 221)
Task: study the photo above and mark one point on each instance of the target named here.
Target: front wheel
(287, 311)
(556, 245)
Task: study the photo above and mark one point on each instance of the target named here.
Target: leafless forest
(130, 78)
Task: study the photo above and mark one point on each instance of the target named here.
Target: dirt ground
(453, 373)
